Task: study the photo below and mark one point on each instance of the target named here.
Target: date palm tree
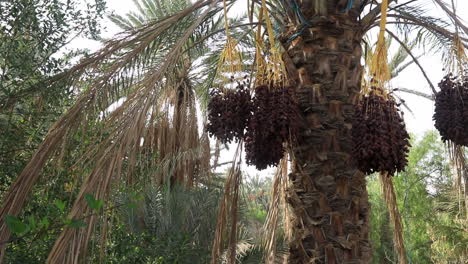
(322, 47)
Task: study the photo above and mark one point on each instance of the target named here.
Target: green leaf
(93, 203)
(75, 223)
(137, 196)
(131, 205)
(15, 225)
(32, 223)
(60, 205)
(44, 223)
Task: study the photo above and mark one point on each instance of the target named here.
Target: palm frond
(402, 44)
(452, 14)
(391, 201)
(432, 31)
(124, 127)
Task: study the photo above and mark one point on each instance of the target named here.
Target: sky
(417, 122)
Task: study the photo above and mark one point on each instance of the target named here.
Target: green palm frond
(397, 62)
(169, 214)
(431, 31)
(148, 11)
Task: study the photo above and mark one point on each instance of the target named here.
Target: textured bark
(328, 194)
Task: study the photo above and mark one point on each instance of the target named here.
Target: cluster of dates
(381, 142)
(229, 112)
(275, 119)
(269, 119)
(451, 109)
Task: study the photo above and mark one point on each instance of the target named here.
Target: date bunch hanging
(275, 117)
(229, 109)
(274, 122)
(229, 112)
(451, 109)
(451, 102)
(381, 142)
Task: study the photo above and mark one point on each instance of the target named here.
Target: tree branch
(221, 164)
(421, 94)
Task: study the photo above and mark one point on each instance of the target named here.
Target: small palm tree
(321, 46)
(177, 223)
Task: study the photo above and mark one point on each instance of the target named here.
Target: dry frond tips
(381, 142)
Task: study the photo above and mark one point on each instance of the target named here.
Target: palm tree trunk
(328, 194)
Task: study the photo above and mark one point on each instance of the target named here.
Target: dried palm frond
(271, 224)
(230, 60)
(287, 228)
(228, 211)
(135, 115)
(123, 129)
(457, 156)
(457, 60)
(378, 69)
(390, 199)
(272, 70)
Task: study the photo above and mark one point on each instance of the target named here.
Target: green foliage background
(433, 219)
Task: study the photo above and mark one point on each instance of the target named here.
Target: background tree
(33, 36)
(425, 186)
